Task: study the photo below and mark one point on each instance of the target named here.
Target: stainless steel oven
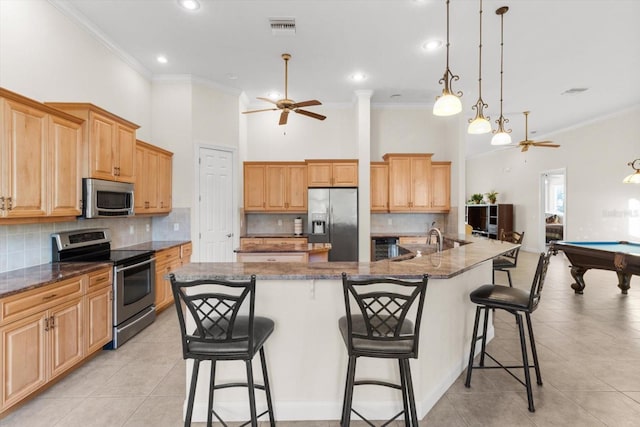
(133, 278)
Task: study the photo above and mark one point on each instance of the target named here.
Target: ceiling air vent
(283, 26)
(574, 90)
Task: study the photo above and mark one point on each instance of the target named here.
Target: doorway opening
(553, 206)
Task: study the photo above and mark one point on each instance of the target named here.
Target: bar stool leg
(509, 277)
(212, 385)
(484, 334)
(267, 387)
(192, 392)
(532, 340)
(412, 400)
(525, 361)
(252, 394)
(348, 398)
(405, 394)
(474, 338)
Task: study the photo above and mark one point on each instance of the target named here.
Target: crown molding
(76, 16)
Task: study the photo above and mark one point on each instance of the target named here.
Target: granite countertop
(154, 245)
(440, 265)
(24, 279)
(311, 248)
(273, 235)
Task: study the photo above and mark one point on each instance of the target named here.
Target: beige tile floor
(589, 349)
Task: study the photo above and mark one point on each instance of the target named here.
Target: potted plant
(476, 198)
(492, 196)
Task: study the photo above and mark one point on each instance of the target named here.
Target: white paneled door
(216, 205)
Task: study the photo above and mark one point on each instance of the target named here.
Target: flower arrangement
(476, 198)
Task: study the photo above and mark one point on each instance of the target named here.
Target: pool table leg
(624, 281)
(578, 275)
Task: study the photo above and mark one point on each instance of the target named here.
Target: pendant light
(479, 124)
(448, 103)
(501, 136)
(634, 178)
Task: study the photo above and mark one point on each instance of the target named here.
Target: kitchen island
(306, 357)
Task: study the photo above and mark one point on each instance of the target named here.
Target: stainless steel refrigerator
(333, 218)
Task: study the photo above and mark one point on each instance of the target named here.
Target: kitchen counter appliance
(333, 218)
(133, 277)
(106, 198)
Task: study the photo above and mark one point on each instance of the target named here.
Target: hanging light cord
(448, 75)
(480, 105)
(501, 120)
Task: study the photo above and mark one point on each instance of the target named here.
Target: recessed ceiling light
(358, 77)
(273, 95)
(189, 4)
(431, 45)
(232, 76)
(162, 59)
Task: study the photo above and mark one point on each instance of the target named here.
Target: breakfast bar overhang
(306, 358)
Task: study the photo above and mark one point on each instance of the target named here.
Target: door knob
(230, 234)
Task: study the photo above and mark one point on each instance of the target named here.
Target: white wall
(595, 155)
(44, 56)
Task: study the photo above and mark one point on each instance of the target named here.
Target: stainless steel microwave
(106, 199)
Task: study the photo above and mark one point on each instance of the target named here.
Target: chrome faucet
(435, 231)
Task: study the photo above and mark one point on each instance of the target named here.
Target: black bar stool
(508, 261)
(381, 327)
(516, 301)
(220, 333)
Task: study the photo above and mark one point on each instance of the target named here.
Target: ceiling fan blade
(307, 103)
(267, 99)
(538, 144)
(283, 117)
(259, 111)
(542, 142)
(310, 114)
(525, 147)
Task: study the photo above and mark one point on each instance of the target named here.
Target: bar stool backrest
(384, 305)
(512, 237)
(538, 280)
(214, 305)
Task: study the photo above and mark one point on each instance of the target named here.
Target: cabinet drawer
(274, 257)
(100, 279)
(285, 240)
(168, 255)
(251, 241)
(418, 240)
(25, 303)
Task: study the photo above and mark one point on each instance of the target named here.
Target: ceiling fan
(287, 105)
(529, 143)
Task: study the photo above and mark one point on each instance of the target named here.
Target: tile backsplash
(27, 245)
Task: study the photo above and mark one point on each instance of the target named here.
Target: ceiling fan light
(501, 138)
(634, 178)
(447, 105)
(478, 126)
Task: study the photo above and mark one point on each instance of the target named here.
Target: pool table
(621, 257)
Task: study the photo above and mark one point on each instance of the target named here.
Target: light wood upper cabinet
(275, 186)
(332, 173)
(379, 187)
(416, 184)
(40, 151)
(110, 142)
(154, 180)
(440, 186)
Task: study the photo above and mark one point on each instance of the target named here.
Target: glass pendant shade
(478, 126)
(447, 105)
(501, 138)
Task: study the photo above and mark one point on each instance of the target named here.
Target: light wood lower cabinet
(272, 240)
(43, 330)
(168, 260)
(273, 257)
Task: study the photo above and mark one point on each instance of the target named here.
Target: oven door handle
(128, 267)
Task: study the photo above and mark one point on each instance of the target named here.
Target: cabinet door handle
(52, 322)
(46, 324)
(10, 199)
(48, 297)
(1, 203)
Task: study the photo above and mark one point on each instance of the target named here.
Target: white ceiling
(550, 46)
